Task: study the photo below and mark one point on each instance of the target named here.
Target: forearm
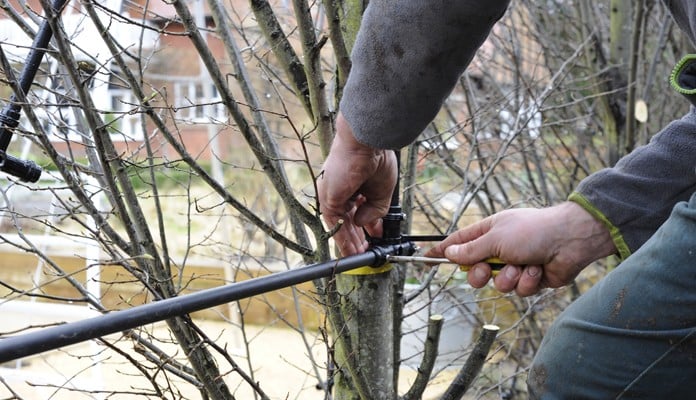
(407, 58)
(637, 195)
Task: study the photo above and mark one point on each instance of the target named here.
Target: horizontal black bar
(423, 238)
(14, 347)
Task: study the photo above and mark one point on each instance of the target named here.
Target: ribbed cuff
(615, 233)
(683, 77)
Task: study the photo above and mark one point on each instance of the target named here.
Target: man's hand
(355, 189)
(542, 247)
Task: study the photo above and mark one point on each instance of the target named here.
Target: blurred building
(159, 52)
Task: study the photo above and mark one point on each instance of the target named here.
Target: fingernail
(511, 273)
(452, 251)
(480, 274)
(533, 271)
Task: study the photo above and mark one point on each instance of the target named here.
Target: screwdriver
(495, 263)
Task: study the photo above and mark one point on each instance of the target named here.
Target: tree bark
(363, 319)
(366, 303)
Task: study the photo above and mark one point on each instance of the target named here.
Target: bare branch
(311, 48)
(430, 352)
(473, 364)
(281, 47)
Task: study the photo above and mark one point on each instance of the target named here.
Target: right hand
(545, 247)
(356, 188)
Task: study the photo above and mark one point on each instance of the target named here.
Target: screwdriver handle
(496, 265)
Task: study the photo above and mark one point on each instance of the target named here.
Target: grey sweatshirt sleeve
(684, 14)
(407, 58)
(637, 195)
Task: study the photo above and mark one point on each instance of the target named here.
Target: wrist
(346, 139)
(620, 244)
(587, 237)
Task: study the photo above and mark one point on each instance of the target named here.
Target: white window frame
(126, 125)
(189, 94)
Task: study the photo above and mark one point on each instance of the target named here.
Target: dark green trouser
(633, 335)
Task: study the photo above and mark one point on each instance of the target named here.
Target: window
(123, 122)
(194, 105)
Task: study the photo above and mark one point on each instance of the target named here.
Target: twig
(473, 364)
(432, 341)
(327, 235)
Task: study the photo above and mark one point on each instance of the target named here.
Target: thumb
(368, 214)
(470, 253)
(374, 228)
(471, 244)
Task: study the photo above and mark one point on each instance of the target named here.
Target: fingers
(350, 240)
(479, 275)
(525, 281)
(530, 281)
(506, 236)
(350, 237)
(369, 215)
(507, 278)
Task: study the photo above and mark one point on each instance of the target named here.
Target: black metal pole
(27, 344)
(391, 223)
(9, 117)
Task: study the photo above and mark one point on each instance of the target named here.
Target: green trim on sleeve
(683, 77)
(616, 235)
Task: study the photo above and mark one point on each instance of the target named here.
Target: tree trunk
(365, 327)
(365, 352)
(619, 55)
(611, 83)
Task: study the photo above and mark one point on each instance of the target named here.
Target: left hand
(356, 188)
